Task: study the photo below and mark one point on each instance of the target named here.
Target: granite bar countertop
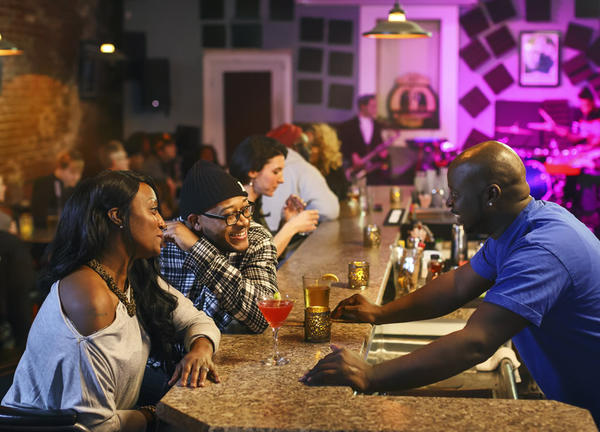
(254, 397)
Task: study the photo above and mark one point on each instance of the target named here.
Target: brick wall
(41, 112)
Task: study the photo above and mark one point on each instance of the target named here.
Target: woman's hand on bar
(357, 309)
(196, 366)
(341, 367)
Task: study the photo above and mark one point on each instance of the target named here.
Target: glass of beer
(316, 290)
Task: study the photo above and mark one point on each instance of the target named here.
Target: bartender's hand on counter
(196, 366)
(180, 234)
(341, 367)
(357, 309)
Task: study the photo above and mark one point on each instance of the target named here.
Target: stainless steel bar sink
(394, 340)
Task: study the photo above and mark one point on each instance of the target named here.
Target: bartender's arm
(488, 328)
(441, 296)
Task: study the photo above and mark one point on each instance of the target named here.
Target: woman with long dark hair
(257, 163)
(107, 310)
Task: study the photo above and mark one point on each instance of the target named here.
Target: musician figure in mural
(362, 147)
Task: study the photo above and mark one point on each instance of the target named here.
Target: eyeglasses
(233, 218)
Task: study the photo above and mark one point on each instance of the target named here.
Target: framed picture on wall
(539, 58)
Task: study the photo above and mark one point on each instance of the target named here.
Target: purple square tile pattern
(578, 36)
(575, 63)
(593, 52)
(500, 10)
(475, 137)
(538, 10)
(474, 54)
(501, 41)
(474, 22)
(499, 79)
(474, 102)
(577, 69)
(581, 75)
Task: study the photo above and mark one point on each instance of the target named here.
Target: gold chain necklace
(129, 304)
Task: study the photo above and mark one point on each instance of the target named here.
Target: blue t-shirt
(546, 268)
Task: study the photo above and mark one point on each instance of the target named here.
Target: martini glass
(275, 312)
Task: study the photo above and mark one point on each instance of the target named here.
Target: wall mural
(413, 104)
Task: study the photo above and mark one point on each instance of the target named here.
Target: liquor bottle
(434, 267)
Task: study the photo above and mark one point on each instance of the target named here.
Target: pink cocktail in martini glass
(275, 312)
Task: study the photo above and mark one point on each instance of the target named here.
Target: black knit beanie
(206, 185)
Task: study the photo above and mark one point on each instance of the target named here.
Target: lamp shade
(7, 48)
(397, 27)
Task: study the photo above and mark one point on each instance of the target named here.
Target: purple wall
(562, 13)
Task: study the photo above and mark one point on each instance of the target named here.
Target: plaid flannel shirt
(225, 286)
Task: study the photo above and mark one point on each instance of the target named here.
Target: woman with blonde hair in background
(326, 156)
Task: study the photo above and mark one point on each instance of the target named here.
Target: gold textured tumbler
(317, 324)
(371, 236)
(358, 275)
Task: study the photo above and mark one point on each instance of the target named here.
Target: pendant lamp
(397, 27)
(7, 48)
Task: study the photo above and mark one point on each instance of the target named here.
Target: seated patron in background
(7, 222)
(326, 156)
(360, 136)
(204, 152)
(162, 166)
(16, 280)
(113, 156)
(258, 162)
(137, 147)
(540, 270)
(51, 192)
(216, 255)
(107, 310)
(301, 179)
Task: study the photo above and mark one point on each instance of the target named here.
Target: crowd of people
(151, 263)
(117, 277)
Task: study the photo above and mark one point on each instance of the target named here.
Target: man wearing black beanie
(216, 255)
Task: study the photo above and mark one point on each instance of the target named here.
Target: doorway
(247, 98)
(245, 92)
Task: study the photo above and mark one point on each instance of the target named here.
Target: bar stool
(34, 420)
